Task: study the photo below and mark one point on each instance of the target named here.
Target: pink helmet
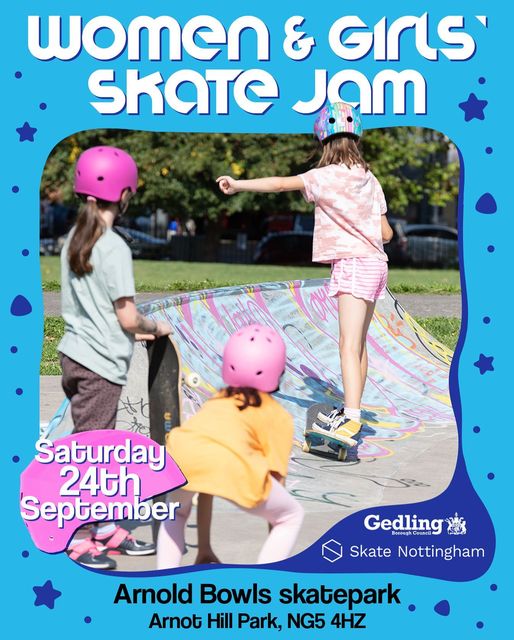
(254, 357)
(104, 172)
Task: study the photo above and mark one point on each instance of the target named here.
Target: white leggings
(280, 509)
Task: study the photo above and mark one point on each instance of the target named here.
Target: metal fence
(196, 249)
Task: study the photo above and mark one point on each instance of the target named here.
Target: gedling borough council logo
(456, 525)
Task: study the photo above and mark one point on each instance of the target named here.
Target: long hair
(247, 396)
(88, 228)
(342, 149)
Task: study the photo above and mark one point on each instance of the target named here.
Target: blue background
(62, 86)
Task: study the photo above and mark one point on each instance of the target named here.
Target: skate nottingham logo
(456, 525)
(413, 525)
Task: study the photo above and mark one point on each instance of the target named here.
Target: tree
(177, 171)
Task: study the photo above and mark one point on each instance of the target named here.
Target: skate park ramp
(408, 445)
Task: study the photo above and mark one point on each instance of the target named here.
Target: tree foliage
(177, 171)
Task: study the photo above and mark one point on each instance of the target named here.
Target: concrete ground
(420, 468)
(423, 305)
(237, 537)
(422, 474)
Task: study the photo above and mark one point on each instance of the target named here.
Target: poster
(434, 563)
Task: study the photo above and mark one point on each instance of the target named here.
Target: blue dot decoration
(412, 607)
(20, 306)
(87, 619)
(25, 554)
(489, 150)
(494, 587)
(14, 349)
(486, 204)
(25, 252)
(18, 74)
(491, 248)
(481, 80)
(490, 476)
(480, 625)
(476, 429)
(486, 319)
(442, 608)
(43, 106)
(15, 188)
(19, 391)
(16, 458)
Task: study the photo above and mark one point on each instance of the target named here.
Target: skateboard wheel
(306, 447)
(341, 454)
(192, 380)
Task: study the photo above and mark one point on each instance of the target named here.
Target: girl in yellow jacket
(237, 447)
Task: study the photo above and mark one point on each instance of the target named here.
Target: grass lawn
(446, 330)
(151, 275)
(53, 332)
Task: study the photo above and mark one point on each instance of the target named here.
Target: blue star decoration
(484, 363)
(26, 132)
(46, 595)
(473, 108)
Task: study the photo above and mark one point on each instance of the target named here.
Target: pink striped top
(348, 205)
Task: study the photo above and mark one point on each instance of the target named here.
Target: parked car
(143, 245)
(420, 245)
(47, 247)
(432, 245)
(286, 247)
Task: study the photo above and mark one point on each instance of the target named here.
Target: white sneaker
(320, 428)
(327, 418)
(341, 429)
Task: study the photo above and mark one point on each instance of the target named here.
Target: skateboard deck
(165, 379)
(317, 439)
(164, 382)
(164, 388)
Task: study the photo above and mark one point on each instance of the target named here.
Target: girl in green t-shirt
(101, 322)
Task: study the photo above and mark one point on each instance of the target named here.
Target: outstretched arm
(229, 186)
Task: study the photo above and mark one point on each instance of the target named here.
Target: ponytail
(88, 228)
(246, 396)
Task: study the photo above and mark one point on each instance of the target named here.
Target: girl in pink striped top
(349, 232)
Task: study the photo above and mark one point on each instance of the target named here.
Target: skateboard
(165, 379)
(317, 439)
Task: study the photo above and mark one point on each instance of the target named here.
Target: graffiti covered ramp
(408, 446)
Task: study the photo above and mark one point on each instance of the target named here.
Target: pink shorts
(361, 277)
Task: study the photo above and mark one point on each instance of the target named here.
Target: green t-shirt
(93, 336)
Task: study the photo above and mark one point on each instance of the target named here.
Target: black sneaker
(87, 554)
(122, 542)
